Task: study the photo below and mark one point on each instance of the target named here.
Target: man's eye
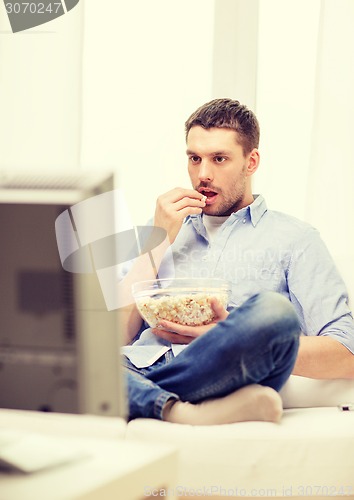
(219, 159)
(194, 159)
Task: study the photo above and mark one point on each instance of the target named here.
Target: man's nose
(205, 171)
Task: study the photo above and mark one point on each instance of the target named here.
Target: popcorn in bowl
(181, 300)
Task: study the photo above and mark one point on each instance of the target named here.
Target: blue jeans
(256, 344)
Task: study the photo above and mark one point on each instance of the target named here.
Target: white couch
(310, 453)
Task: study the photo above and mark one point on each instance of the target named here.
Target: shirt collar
(257, 209)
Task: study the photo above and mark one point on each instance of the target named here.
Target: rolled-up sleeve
(318, 292)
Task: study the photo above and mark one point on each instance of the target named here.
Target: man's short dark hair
(231, 114)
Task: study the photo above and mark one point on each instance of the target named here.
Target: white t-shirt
(212, 223)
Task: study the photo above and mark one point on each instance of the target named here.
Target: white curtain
(305, 104)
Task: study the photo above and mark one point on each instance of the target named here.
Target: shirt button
(204, 258)
(243, 221)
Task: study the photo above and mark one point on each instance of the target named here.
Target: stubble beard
(229, 207)
(233, 201)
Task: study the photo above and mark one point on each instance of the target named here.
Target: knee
(277, 310)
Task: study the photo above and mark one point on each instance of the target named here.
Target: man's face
(219, 169)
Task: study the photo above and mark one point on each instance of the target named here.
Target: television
(59, 344)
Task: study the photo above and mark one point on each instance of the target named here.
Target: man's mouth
(210, 195)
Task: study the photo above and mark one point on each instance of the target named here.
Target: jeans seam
(160, 403)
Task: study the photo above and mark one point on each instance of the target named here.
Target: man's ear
(253, 161)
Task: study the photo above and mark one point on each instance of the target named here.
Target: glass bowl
(182, 300)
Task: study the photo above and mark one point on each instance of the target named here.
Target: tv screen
(59, 345)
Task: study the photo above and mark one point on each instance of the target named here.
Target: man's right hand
(173, 206)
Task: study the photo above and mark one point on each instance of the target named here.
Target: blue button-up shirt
(259, 249)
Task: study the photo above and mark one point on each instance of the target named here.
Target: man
(283, 283)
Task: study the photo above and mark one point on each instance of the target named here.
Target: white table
(112, 469)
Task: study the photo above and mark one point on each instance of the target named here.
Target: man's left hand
(181, 334)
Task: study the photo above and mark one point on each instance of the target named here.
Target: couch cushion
(311, 452)
(303, 392)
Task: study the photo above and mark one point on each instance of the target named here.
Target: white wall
(305, 105)
(146, 67)
(40, 86)
(331, 179)
(287, 52)
(235, 46)
(107, 86)
(111, 86)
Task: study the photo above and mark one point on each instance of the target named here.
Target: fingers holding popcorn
(178, 333)
(173, 206)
